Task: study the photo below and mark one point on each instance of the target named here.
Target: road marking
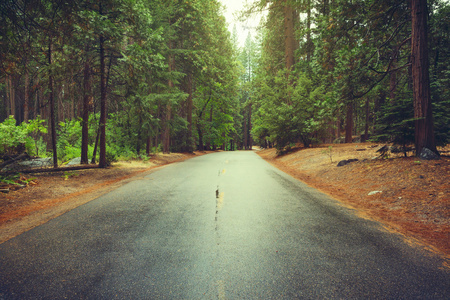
(219, 202)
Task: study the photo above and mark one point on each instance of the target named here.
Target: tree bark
(189, 91)
(102, 159)
(166, 130)
(349, 123)
(52, 106)
(308, 33)
(26, 99)
(200, 137)
(94, 154)
(86, 104)
(139, 136)
(149, 145)
(366, 126)
(424, 132)
(10, 107)
(245, 131)
(249, 122)
(289, 38)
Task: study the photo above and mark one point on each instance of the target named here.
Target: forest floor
(412, 195)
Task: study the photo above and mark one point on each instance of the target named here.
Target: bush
(69, 139)
(24, 137)
(396, 122)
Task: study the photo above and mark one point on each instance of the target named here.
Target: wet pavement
(226, 225)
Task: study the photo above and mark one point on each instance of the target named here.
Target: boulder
(427, 154)
(29, 164)
(38, 163)
(75, 161)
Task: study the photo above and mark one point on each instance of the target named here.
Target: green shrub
(16, 139)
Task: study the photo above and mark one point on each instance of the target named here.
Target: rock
(374, 193)
(75, 161)
(346, 162)
(30, 164)
(427, 154)
(38, 163)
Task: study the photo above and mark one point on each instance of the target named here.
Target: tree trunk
(71, 94)
(139, 136)
(349, 123)
(338, 124)
(26, 99)
(52, 106)
(289, 38)
(366, 127)
(166, 130)
(94, 154)
(189, 105)
(245, 131)
(102, 159)
(249, 122)
(60, 106)
(10, 107)
(200, 138)
(149, 145)
(308, 33)
(424, 133)
(86, 104)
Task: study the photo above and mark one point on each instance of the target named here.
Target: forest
(122, 79)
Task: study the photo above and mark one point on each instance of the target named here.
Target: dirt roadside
(412, 196)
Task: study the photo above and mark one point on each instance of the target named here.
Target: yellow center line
(220, 201)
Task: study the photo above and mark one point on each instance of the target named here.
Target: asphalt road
(221, 226)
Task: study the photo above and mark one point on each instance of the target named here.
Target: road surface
(222, 226)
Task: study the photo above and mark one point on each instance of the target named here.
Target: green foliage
(173, 64)
(440, 70)
(68, 174)
(291, 113)
(10, 179)
(12, 137)
(36, 129)
(24, 137)
(441, 114)
(69, 140)
(395, 122)
(15, 179)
